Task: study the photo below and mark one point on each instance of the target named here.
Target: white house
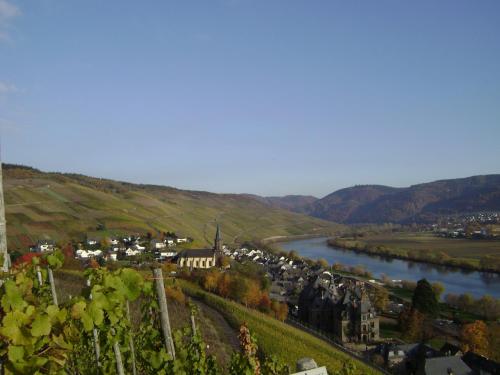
(155, 244)
(166, 254)
(44, 246)
(170, 241)
(182, 240)
(131, 252)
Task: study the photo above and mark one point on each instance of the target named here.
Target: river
(454, 280)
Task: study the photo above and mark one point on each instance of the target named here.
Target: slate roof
(197, 253)
(446, 365)
(479, 363)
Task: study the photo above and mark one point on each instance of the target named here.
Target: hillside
(420, 203)
(63, 206)
(295, 203)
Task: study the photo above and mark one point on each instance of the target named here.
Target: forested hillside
(417, 203)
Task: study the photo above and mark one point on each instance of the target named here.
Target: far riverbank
(438, 259)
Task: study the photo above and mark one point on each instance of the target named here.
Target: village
(335, 305)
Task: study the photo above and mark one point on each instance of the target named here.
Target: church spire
(218, 241)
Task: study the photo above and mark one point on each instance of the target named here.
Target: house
(113, 256)
(165, 254)
(182, 239)
(169, 241)
(446, 366)
(86, 254)
(449, 349)
(114, 241)
(156, 244)
(341, 306)
(202, 258)
(401, 358)
(43, 246)
(481, 365)
(92, 241)
(131, 251)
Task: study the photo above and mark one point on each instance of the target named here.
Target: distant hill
(295, 203)
(62, 206)
(417, 203)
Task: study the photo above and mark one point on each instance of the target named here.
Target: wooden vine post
(131, 342)
(95, 333)
(162, 301)
(52, 286)
(118, 356)
(39, 275)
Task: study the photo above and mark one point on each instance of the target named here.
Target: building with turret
(341, 306)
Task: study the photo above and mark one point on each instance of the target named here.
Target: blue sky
(267, 97)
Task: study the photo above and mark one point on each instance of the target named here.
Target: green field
(62, 207)
(427, 246)
(427, 241)
(275, 337)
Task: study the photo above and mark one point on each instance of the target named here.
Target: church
(202, 258)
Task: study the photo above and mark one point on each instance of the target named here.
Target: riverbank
(428, 257)
(455, 280)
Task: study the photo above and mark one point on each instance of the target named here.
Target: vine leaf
(41, 326)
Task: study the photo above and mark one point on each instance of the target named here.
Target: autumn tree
(438, 290)
(474, 337)
(265, 303)
(322, 263)
(381, 299)
(211, 280)
(223, 285)
(252, 296)
(424, 299)
(224, 261)
(411, 323)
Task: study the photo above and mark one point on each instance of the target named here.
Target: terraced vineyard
(67, 206)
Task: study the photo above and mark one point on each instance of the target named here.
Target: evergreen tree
(424, 299)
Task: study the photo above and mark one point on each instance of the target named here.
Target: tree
(381, 299)
(211, 280)
(474, 337)
(238, 288)
(265, 303)
(280, 310)
(424, 299)
(411, 323)
(223, 285)
(438, 290)
(253, 294)
(322, 263)
(465, 301)
(225, 261)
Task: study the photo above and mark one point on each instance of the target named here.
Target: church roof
(197, 253)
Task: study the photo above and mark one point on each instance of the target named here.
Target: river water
(454, 280)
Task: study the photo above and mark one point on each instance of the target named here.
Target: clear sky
(267, 97)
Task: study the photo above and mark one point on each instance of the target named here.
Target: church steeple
(218, 241)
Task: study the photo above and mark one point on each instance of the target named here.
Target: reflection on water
(454, 280)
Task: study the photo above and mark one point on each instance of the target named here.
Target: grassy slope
(277, 338)
(62, 206)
